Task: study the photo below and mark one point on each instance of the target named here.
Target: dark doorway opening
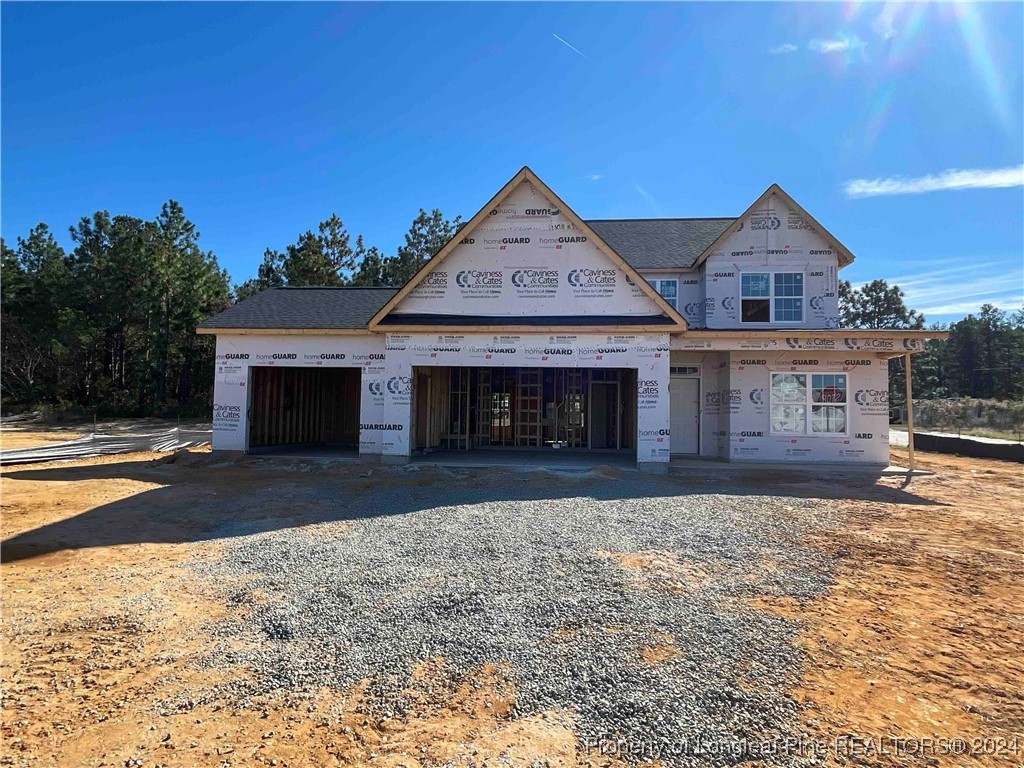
(304, 407)
(605, 415)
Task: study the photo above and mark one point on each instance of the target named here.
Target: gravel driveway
(623, 600)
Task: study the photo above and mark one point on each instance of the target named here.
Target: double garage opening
(316, 408)
(462, 408)
(455, 408)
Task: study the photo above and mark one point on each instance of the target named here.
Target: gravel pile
(520, 569)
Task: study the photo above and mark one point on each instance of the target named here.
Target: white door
(684, 400)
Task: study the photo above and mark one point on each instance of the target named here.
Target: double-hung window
(809, 403)
(669, 290)
(772, 297)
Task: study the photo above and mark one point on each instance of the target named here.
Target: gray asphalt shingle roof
(643, 243)
(660, 243)
(304, 308)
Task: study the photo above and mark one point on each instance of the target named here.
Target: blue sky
(263, 119)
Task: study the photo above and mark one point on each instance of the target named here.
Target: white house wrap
(534, 329)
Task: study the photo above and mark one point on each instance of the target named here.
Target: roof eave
(229, 331)
(632, 329)
(829, 333)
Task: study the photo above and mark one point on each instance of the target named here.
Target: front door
(684, 400)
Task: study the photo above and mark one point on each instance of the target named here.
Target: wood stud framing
(304, 406)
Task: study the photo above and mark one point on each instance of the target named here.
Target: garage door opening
(520, 408)
(315, 408)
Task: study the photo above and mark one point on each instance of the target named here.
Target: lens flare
(878, 113)
(906, 22)
(980, 51)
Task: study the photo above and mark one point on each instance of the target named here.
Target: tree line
(109, 327)
(983, 356)
(329, 257)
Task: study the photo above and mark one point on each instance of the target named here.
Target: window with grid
(501, 409)
(669, 290)
(767, 297)
(756, 298)
(789, 297)
(809, 403)
(574, 408)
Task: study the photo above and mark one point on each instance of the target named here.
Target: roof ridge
(334, 288)
(672, 218)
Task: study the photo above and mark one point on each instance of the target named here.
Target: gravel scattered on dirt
(626, 600)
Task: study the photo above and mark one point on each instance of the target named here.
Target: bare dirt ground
(15, 438)
(921, 635)
(923, 632)
(85, 675)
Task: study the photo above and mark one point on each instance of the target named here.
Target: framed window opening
(809, 403)
(772, 297)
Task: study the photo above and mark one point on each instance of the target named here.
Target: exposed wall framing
(522, 407)
(304, 406)
(432, 406)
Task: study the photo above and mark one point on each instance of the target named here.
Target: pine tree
(427, 235)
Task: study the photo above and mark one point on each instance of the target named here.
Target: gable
(774, 232)
(527, 258)
(776, 225)
(773, 237)
(524, 254)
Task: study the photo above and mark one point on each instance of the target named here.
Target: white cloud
(784, 48)
(841, 43)
(594, 177)
(883, 26)
(974, 178)
(958, 290)
(937, 275)
(1008, 303)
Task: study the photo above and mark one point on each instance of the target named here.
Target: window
(789, 297)
(669, 290)
(500, 409)
(767, 297)
(828, 403)
(818, 409)
(574, 408)
(756, 298)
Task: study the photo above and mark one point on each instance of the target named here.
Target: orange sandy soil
(921, 635)
(16, 438)
(87, 667)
